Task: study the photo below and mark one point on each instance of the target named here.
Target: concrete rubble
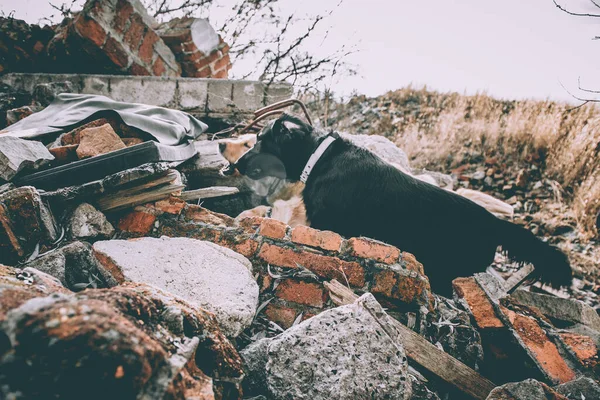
(134, 282)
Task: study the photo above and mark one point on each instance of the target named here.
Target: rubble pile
(115, 37)
(124, 272)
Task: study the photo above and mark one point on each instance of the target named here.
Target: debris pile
(125, 271)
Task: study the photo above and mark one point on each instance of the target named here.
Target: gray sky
(509, 48)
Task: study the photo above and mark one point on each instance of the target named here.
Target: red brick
(137, 222)
(199, 214)
(172, 205)
(203, 73)
(201, 59)
(91, 30)
(409, 262)
(224, 47)
(117, 54)
(407, 289)
(584, 348)
(246, 247)
(325, 240)
(273, 228)
(250, 224)
(478, 302)
(309, 294)
(138, 70)
(539, 345)
(283, 316)
(159, 67)
(324, 266)
(146, 50)
(64, 154)
(135, 32)
(110, 266)
(122, 14)
(368, 248)
(222, 63)
(222, 74)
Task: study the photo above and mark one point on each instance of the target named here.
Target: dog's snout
(222, 147)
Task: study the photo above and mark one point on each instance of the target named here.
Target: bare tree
(266, 42)
(594, 4)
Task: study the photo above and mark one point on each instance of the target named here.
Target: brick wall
(198, 48)
(117, 37)
(299, 259)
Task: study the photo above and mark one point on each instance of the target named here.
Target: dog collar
(314, 158)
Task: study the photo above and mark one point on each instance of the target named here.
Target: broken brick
(273, 228)
(408, 288)
(325, 240)
(584, 348)
(139, 222)
(310, 294)
(479, 305)
(369, 248)
(100, 140)
(543, 351)
(324, 266)
(172, 205)
(199, 214)
(281, 315)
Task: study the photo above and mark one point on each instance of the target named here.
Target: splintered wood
(420, 350)
(156, 189)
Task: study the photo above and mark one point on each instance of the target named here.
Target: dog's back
(354, 193)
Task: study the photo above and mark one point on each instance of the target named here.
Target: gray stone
(53, 264)
(210, 276)
(88, 223)
(529, 389)
(17, 155)
(382, 147)
(582, 388)
(255, 358)
(75, 266)
(342, 353)
(491, 285)
(562, 309)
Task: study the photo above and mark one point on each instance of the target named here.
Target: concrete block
(248, 96)
(152, 91)
(192, 94)
(219, 96)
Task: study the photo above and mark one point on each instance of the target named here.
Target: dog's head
(233, 148)
(282, 150)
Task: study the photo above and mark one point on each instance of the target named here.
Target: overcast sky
(509, 48)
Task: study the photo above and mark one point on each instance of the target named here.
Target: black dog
(353, 192)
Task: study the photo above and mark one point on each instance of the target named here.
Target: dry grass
(441, 131)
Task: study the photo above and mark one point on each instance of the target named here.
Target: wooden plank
(115, 202)
(517, 279)
(420, 350)
(207, 193)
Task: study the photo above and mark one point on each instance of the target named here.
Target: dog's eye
(247, 145)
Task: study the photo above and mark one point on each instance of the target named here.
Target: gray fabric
(170, 127)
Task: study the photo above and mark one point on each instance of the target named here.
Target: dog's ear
(287, 123)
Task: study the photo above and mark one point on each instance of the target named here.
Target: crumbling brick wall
(198, 48)
(306, 257)
(118, 37)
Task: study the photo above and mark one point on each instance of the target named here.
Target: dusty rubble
(135, 279)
